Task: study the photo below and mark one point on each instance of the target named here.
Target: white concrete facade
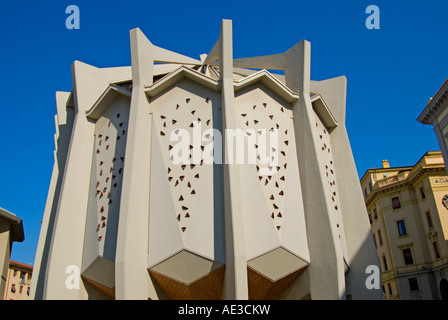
(139, 225)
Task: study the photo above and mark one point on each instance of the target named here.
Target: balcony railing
(390, 180)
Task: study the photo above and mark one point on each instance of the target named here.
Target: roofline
(384, 169)
(263, 76)
(111, 92)
(271, 82)
(10, 216)
(20, 264)
(17, 233)
(427, 153)
(183, 72)
(323, 111)
(428, 114)
(177, 75)
(409, 180)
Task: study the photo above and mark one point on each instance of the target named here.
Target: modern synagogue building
(136, 209)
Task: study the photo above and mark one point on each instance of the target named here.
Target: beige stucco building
(137, 224)
(18, 281)
(11, 230)
(408, 211)
(436, 114)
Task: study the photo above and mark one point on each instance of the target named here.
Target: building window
(370, 185)
(407, 255)
(422, 193)
(375, 215)
(28, 291)
(13, 288)
(429, 219)
(23, 278)
(436, 249)
(14, 273)
(385, 263)
(365, 193)
(396, 203)
(370, 218)
(390, 289)
(413, 284)
(401, 228)
(380, 238)
(21, 289)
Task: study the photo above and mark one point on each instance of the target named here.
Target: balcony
(391, 180)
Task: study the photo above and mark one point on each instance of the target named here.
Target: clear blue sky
(391, 72)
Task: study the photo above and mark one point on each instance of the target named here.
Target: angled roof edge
(20, 265)
(10, 216)
(271, 82)
(105, 99)
(323, 111)
(17, 233)
(179, 74)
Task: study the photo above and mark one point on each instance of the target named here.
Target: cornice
(434, 105)
(408, 182)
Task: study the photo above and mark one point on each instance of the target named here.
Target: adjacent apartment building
(408, 213)
(435, 113)
(11, 230)
(18, 281)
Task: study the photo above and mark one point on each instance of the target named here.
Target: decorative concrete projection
(209, 178)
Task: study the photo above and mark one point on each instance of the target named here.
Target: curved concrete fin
(274, 61)
(166, 56)
(144, 54)
(142, 58)
(277, 61)
(298, 67)
(214, 53)
(295, 61)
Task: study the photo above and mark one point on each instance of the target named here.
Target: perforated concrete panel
(273, 209)
(329, 173)
(183, 212)
(105, 192)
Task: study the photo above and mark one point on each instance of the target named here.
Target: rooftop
(392, 175)
(17, 264)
